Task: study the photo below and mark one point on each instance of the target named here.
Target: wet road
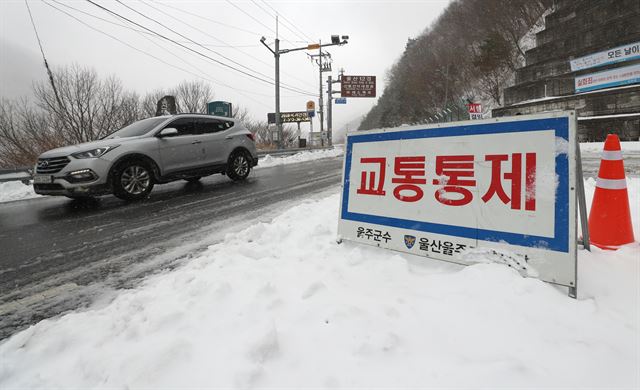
(59, 254)
(591, 163)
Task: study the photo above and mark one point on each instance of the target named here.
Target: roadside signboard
(628, 52)
(609, 78)
(311, 108)
(219, 108)
(358, 86)
(341, 100)
(289, 117)
(475, 111)
(503, 188)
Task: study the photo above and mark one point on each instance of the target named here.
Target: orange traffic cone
(610, 218)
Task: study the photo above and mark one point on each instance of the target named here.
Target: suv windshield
(137, 128)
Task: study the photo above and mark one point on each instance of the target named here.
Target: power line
(135, 29)
(240, 91)
(189, 39)
(46, 64)
(252, 17)
(284, 25)
(219, 40)
(291, 23)
(209, 19)
(99, 18)
(194, 51)
(257, 20)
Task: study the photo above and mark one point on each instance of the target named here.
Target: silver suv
(152, 151)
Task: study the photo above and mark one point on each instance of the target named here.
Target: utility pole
(336, 40)
(323, 67)
(329, 112)
(330, 93)
(278, 119)
(321, 112)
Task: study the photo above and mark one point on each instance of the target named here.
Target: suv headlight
(94, 153)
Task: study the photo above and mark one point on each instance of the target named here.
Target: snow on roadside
(271, 161)
(281, 304)
(598, 147)
(16, 190)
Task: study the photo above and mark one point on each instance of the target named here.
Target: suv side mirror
(168, 132)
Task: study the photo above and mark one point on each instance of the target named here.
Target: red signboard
(475, 108)
(358, 86)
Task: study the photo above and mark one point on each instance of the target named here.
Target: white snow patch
(562, 146)
(281, 304)
(16, 190)
(271, 161)
(597, 147)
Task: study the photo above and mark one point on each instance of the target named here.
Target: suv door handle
(196, 142)
(228, 137)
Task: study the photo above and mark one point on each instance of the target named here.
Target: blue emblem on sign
(409, 241)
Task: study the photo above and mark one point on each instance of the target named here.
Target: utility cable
(240, 91)
(187, 38)
(288, 21)
(46, 64)
(194, 51)
(275, 17)
(209, 19)
(219, 40)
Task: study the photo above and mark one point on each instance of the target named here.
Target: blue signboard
(610, 78)
(219, 108)
(341, 100)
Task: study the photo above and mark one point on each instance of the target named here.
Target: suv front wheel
(132, 180)
(238, 166)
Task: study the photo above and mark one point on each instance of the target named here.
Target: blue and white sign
(449, 191)
(628, 52)
(609, 78)
(341, 100)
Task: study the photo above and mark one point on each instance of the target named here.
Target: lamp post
(335, 41)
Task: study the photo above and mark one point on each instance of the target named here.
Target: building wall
(546, 83)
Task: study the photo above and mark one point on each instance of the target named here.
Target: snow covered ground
(271, 161)
(281, 304)
(15, 190)
(631, 147)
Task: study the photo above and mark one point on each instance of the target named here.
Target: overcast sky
(377, 30)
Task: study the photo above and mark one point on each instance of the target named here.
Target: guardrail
(24, 174)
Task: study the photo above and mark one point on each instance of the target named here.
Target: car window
(185, 126)
(208, 126)
(137, 128)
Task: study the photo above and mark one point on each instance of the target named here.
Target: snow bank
(271, 161)
(282, 305)
(16, 190)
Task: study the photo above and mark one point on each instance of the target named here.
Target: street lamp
(336, 40)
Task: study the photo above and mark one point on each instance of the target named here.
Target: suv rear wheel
(238, 166)
(132, 180)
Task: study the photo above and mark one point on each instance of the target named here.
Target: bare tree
(86, 107)
(193, 96)
(25, 132)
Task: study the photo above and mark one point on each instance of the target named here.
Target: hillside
(469, 54)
